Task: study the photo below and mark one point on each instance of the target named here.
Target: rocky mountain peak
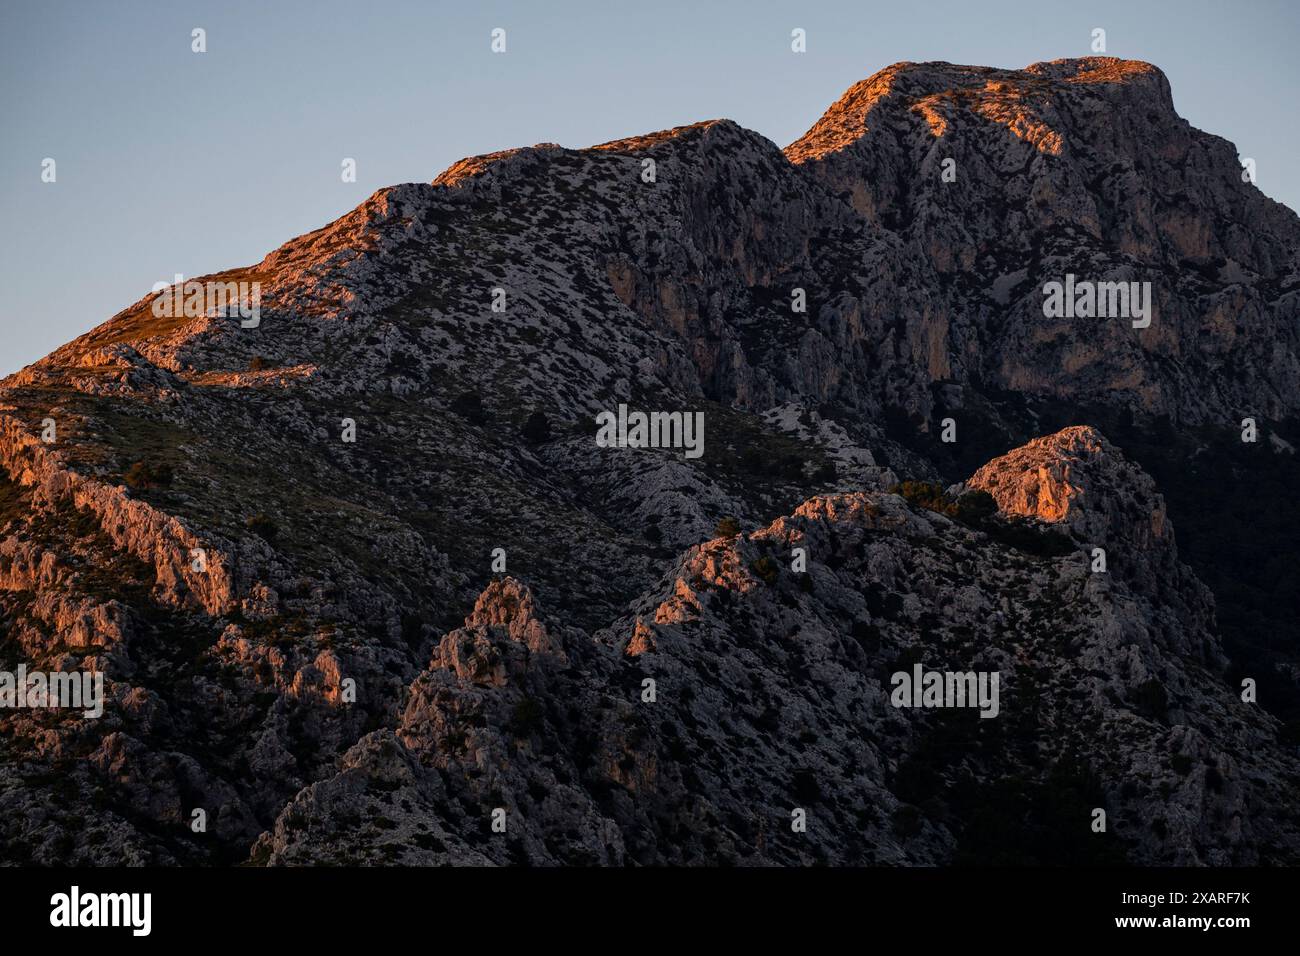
(500, 161)
(1059, 477)
(1077, 478)
(508, 604)
(1019, 100)
(278, 537)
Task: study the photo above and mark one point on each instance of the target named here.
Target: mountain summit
(363, 584)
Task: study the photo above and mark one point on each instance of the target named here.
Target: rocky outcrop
(740, 692)
(1077, 479)
(133, 526)
(435, 622)
(1002, 181)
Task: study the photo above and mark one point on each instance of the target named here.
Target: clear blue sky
(171, 161)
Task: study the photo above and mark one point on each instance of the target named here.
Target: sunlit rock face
(359, 576)
(1077, 477)
(1078, 166)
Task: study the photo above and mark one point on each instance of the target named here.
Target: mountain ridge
(472, 559)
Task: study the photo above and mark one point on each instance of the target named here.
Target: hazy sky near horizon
(169, 161)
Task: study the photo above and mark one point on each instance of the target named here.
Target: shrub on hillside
(469, 406)
(766, 569)
(147, 474)
(922, 494)
(978, 509)
(974, 506)
(1151, 698)
(537, 429)
(262, 526)
(727, 528)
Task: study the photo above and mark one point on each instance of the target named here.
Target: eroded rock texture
(305, 637)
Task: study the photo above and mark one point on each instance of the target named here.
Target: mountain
(363, 572)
